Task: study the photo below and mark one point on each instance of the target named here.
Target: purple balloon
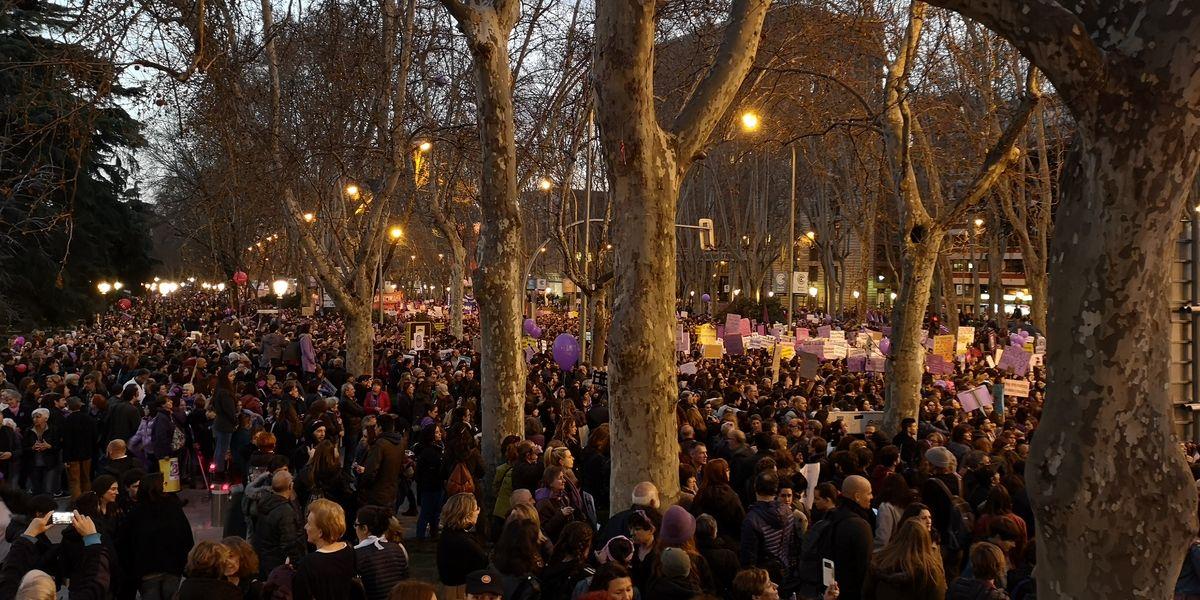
(885, 346)
(531, 329)
(566, 351)
(706, 298)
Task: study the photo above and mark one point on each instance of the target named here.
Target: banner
(966, 337)
(974, 398)
(1018, 388)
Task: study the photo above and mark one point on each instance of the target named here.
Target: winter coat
(720, 501)
(79, 437)
(203, 588)
(123, 421)
(898, 585)
(278, 532)
(967, 588)
(156, 538)
(224, 404)
(429, 469)
(886, 523)
(672, 588)
(380, 479)
(769, 538)
(162, 432)
(852, 541)
(458, 554)
(381, 564)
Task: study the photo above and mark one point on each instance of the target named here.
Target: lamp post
(812, 294)
(104, 287)
(280, 287)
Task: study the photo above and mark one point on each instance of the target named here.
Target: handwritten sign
(734, 345)
(1016, 360)
(876, 363)
(706, 334)
(713, 350)
(688, 368)
(809, 364)
(1018, 388)
(943, 346)
(824, 331)
(938, 365)
(966, 337)
(731, 322)
(813, 347)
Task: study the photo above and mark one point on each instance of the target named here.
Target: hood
(392, 437)
(270, 503)
(775, 514)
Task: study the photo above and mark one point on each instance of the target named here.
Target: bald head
(857, 489)
(645, 494)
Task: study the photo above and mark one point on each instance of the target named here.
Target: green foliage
(68, 218)
(747, 307)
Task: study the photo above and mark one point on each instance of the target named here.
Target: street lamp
(750, 121)
(979, 222)
(221, 287)
(811, 235)
(544, 184)
(280, 286)
(425, 146)
(395, 232)
(309, 217)
(352, 190)
(856, 294)
(104, 287)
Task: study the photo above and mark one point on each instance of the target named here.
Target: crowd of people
(102, 425)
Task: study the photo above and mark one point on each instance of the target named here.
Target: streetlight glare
(856, 294)
(812, 291)
(118, 285)
(425, 146)
(544, 184)
(396, 232)
(812, 235)
(104, 287)
(280, 286)
(750, 121)
(352, 190)
(309, 217)
(979, 222)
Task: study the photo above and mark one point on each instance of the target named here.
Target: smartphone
(61, 518)
(827, 572)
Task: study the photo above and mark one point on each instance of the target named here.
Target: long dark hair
(573, 543)
(516, 552)
(223, 383)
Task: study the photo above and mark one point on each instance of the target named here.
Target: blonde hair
(329, 517)
(524, 512)
(36, 585)
(459, 511)
(911, 550)
(208, 560)
(548, 453)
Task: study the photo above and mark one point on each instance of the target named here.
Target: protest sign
(809, 364)
(974, 398)
(812, 474)
(837, 334)
(683, 342)
(713, 350)
(1018, 388)
(835, 349)
(732, 322)
(734, 345)
(744, 327)
(966, 337)
(856, 421)
(824, 331)
(813, 347)
(688, 368)
(943, 346)
(706, 334)
(938, 365)
(876, 363)
(1016, 360)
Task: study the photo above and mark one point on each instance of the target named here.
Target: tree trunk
(996, 275)
(948, 291)
(1038, 288)
(360, 340)
(601, 319)
(1105, 452)
(458, 271)
(498, 284)
(907, 362)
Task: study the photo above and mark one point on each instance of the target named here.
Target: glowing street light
(812, 291)
(893, 295)
(395, 232)
(979, 222)
(352, 190)
(544, 184)
(309, 217)
(280, 286)
(856, 294)
(118, 285)
(104, 287)
(221, 287)
(751, 121)
(425, 146)
(811, 235)
(881, 278)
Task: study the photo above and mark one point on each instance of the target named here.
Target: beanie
(940, 457)
(675, 563)
(678, 526)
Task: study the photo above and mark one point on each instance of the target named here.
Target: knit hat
(940, 457)
(675, 563)
(678, 526)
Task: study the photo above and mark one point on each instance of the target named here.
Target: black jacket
(162, 432)
(380, 479)
(203, 588)
(852, 545)
(672, 588)
(458, 554)
(278, 533)
(123, 421)
(769, 538)
(723, 504)
(156, 538)
(225, 405)
(79, 437)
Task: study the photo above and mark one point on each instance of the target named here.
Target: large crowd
(104, 424)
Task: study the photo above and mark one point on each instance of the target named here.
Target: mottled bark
(907, 361)
(646, 164)
(952, 305)
(601, 321)
(498, 284)
(360, 342)
(1104, 453)
(458, 272)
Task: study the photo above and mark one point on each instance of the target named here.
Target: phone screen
(827, 572)
(60, 518)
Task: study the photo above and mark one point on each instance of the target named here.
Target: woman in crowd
(568, 564)
(40, 447)
(323, 477)
(986, 581)
(909, 567)
(718, 499)
(328, 573)
(382, 563)
(208, 566)
(615, 581)
(517, 558)
(108, 513)
(245, 575)
(893, 496)
(459, 550)
(155, 540)
(557, 506)
(430, 483)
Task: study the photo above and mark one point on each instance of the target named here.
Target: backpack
(818, 544)
(139, 441)
(461, 481)
(177, 439)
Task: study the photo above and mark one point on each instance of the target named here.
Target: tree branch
(734, 58)
(1050, 36)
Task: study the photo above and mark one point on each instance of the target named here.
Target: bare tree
(646, 165)
(1118, 68)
